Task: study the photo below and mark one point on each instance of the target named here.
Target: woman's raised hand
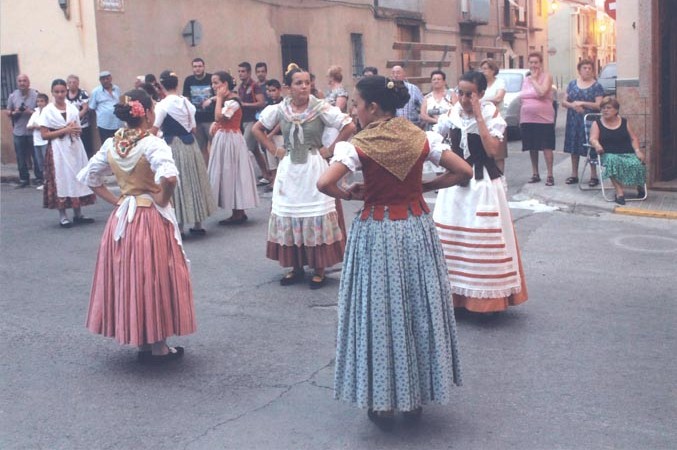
(223, 91)
(476, 106)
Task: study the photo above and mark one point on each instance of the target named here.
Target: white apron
(68, 153)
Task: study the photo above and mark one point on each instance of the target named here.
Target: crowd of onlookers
(255, 91)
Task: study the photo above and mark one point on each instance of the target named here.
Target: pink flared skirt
(141, 291)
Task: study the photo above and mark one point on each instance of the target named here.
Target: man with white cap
(103, 100)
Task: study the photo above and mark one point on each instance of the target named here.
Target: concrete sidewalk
(659, 204)
(9, 173)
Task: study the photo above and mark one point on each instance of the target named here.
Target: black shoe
(414, 415)
(385, 420)
(38, 182)
(292, 277)
(82, 220)
(620, 199)
(23, 184)
(231, 221)
(197, 231)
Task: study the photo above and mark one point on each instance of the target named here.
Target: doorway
(666, 100)
(294, 50)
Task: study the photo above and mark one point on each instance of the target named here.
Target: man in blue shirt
(103, 101)
(412, 109)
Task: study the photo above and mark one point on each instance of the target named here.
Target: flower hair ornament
(136, 108)
(390, 84)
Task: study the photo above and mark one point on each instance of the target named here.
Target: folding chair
(594, 160)
(591, 159)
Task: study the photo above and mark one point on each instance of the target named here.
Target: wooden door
(667, 90)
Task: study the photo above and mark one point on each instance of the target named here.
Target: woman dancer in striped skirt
(474, 221)
(141, 292)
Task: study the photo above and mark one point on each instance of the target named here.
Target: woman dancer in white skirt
(474, 221)
(304, 227)
(60, 124)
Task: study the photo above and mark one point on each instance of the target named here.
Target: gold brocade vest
(140, 180)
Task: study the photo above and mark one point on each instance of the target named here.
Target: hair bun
(292, 66)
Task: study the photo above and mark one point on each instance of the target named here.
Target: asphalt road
(587, 363)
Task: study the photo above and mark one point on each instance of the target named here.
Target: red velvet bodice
(232, 124)
(383, 190)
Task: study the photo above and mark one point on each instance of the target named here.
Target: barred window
(10, 70)
(358, 54)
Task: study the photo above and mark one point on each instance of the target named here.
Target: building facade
(646, 87)
(579, 29)
(132, 38)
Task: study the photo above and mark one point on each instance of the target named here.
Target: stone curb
(645, 212)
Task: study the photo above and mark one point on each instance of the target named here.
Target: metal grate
(10, 70)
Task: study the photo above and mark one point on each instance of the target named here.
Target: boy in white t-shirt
(274, 96)
(39, 144)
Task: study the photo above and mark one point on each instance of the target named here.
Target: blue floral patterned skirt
(396, 345)
(626, 168)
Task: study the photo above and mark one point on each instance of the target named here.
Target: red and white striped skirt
(480, 247)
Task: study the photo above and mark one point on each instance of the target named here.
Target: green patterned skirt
(626, 168)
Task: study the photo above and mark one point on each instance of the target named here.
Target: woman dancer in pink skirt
(141, 293)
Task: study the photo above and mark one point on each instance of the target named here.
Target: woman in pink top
(537, 117)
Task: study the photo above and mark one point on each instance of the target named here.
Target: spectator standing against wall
(261, 72)
(251, 96)
(198, 88)
(20, 105)
(39, 144)
(80, 99)
(412, 109)
(103, 100)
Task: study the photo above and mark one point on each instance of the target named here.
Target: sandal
(550, 181)
(571, 180)
(65, 223)
(292, 277)
(198, 231)
(317, 281)
(593, 182)
(173, 354)
(535, 179)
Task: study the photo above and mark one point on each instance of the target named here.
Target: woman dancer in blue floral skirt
(396, 346)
